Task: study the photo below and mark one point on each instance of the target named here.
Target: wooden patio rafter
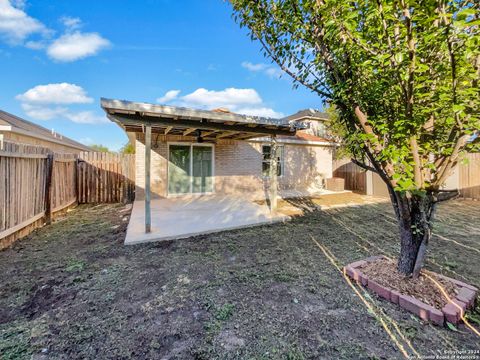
(181, 121)
(207, 125)
(204, 127)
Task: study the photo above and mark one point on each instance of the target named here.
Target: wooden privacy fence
(63, 181)
(23, 171)
(467, 182)
(354, 175)
(106, 177)
(469, 177)
(35, 184)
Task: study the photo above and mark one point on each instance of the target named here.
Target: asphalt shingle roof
(34, 129)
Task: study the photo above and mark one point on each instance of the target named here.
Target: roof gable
(307, 114)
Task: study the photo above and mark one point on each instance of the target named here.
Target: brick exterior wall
(238, 166)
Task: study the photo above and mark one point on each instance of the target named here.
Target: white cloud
(267, 69)
(71, 23)
(86, 117)
(50, 101)
(17, 28)
(36, 44)
(169, 96)
(241, 101)
(230, 98)
(77, 45)
(61, 93)
(42, 112)
(254, 67)
(16, 25)
(260, 111)
(273, 72)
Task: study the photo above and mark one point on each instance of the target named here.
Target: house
(232, 158)
(315, 119)
(17, 130)
(182, 152)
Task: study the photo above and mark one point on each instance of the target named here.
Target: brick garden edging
(452, 313)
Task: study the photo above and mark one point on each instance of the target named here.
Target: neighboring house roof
(307, 114)
(12, 123)
(174, 120)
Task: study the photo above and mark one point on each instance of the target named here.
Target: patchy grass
(75, 265)
(72, 290)
(224, 312)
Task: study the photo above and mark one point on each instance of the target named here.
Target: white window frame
(323, 132)
(190, 193)
(281, 149)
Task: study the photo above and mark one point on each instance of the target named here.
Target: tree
(403, 76)
(99, 148)
(128, 148)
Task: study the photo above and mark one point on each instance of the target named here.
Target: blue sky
(57, 58)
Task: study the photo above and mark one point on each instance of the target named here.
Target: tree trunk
(415, 215)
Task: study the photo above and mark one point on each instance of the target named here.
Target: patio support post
(148, 146)
(273, 173)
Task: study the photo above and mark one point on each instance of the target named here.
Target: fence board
(22, 172)
(106, 177)
(64, 171)
(354, 175)
(25, 201)
(470, 177)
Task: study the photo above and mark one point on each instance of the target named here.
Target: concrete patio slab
(182, 217)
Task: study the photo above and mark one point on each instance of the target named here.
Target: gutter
(309, 118)
(294, 141)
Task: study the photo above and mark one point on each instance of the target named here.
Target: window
(266, 160)
(321, 130)
(190, 169)
(318, 128)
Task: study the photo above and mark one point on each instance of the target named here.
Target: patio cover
(207, 124)
(204, 125)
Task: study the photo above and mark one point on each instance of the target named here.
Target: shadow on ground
(72, 290)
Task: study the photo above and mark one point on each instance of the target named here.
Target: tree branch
(417, 163)
(445, 195)
(453, 68)
(412, 57)
(393, 61)
(270, 52)
(364, 166)
(444, 170)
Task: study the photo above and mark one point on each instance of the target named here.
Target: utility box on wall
(336, 184)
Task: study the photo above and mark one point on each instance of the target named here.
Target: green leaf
(451, 327)
(340, 50)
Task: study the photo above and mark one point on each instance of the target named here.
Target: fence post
(48, 189)
(76, 175)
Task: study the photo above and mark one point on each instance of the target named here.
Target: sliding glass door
(179, 169)
(190, 169)
(202, 159)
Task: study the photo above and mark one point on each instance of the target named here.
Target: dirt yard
(73, 291)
